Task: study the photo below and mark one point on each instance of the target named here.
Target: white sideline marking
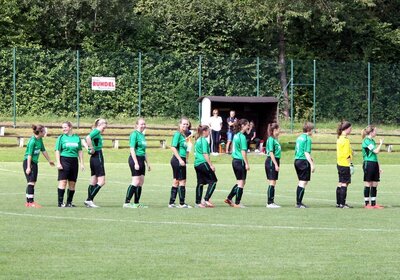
(200, 224)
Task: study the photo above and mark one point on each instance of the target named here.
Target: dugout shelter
(261, 110)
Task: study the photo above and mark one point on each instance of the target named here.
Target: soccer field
(110, 242)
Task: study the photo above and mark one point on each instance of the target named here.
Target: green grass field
(110, 242)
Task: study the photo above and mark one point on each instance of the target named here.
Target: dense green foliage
(172, 34)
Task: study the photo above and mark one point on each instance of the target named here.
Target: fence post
(14, 88)
(314, 91)
(199, 90)
(291, 95)
(77, 89)
(258, 76)
(140, 83)
(369, 93)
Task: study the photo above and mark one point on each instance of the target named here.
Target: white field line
(167, 223)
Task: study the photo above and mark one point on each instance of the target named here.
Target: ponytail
(367, 131)
(342, 126)
(271, 128)
(239, 124)
(37, 129)
(200, 130)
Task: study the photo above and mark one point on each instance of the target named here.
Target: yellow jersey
(343, 151)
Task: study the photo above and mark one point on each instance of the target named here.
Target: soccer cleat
(200, 205)
(344, 206)
(34, 205)
(173, 205)
(301, 205)
(90, 204)
(348, 206)
(209, 204)
(273, 205)
(70, 205)
(377, 206)
(369, 206)
(61, 205)
(139, 205)
(184, 206)
(238, 205)
(27, 204)
(229, 202)
(127, 205)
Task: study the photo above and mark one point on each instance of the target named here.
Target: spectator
(215, 123)
(251, 137)
(231, 120)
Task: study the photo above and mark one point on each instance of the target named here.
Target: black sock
(239, 195)
(367, 191)
(373, 195)
(70, 196)
(210, 191)
(172, 198)
(233, 192)
(61, 193)
(129, 193)
(95, 190)
(337, 195)
(199, 193)
(30, 192)
(271, 194)
(342, 195)
(182, 194)
(90, 190)
(299, 195)
(138, 193)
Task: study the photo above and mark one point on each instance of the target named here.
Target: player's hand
(381, 141)
(181, 162)
(212, 167)
(82, 167)
(28, 171)
(247, 167)
(276, 168)
(312, 169)
(52, 163)
(137, 166)
(148, 167)
(59, 166)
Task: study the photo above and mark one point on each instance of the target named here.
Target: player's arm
(378, 149)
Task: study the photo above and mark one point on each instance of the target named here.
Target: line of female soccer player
(69, 155)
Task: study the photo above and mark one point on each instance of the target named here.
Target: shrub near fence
(168, 85)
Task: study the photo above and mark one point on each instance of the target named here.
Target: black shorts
(272, 174)
(344, 174)
(97, 164)
(239, 168)
(371, 171)
(205, 175)
(70, 169)
(178, 171)
(32, 177)
(142, 166)
(303, 169)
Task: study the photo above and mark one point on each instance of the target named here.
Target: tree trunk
(282, 67)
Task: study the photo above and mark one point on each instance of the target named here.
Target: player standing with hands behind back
(304, 163)
(371, 166)
(240, 163)
(95, 148)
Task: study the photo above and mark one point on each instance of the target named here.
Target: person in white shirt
(215, 124)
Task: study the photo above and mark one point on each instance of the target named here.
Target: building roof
(240, 99)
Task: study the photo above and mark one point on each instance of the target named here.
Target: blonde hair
(367, 131)
(98, 122)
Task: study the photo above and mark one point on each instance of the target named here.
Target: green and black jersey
(274, 147)
(368, 147)
(137, 141)
(97, 139)
(239, 144)
(201, 147)
(69, 145)
(33, 149)
(179, 142)
(303, 145)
